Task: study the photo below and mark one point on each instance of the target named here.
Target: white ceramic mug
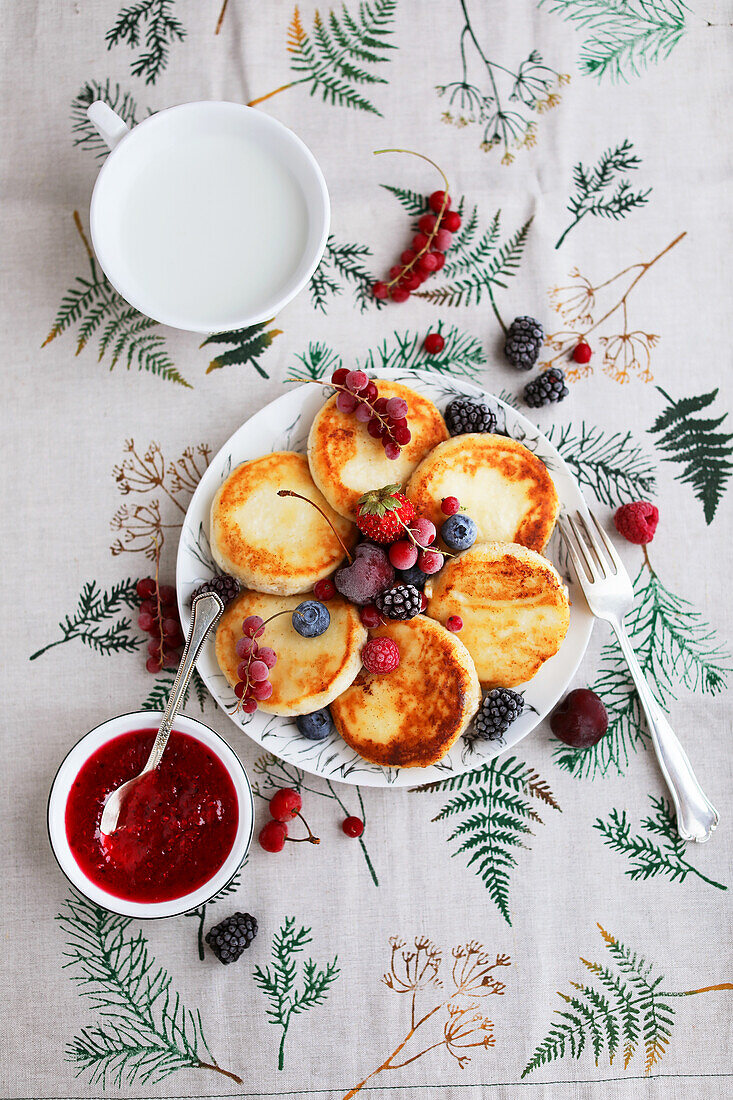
(207, 216)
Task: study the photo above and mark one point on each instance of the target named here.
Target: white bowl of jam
(183, 832)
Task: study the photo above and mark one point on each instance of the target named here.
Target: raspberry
(285, 804)
(450, 505)
(353, 826)
(380, 655)
(637, 522)
(582, 352)
(434, 343)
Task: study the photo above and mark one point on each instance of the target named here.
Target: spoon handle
(206, 610)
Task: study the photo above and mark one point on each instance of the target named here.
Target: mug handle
(110, 126)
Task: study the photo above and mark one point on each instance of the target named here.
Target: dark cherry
(580, 720)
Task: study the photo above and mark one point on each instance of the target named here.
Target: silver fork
(610, 595)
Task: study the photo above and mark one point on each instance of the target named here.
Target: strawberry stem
(290, 493)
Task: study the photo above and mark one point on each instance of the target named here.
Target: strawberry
(383, 514)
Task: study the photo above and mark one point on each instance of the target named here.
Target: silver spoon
(206, 610)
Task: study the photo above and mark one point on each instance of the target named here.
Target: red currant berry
(392, 451)
(170, 658)
(153, 665)
(442, 240)
(245, 646)
(356, 381)
(167, 594)
(239, 689)
(149, 608)
(454, 623)
(322, 590)
(451, 221)
(145, 621)
(430, 561)
(154, 647)
(171, 627)
(434, 343)
(346, 402)
(397, 407)
(258, 670)
(370, 617)
(380, 405)
(413, 280)
(403, 554)
(252, 627)
(423, 601)
(371, 391)
(363, 413)
(423, 531)
(268, 655)
(145, 588)
(243, 670)
(273, 836)
(376, 429)
(339, 376)
(285, 804)
(380, 290)
(402, 434)
(419, 241)
(427, 223)
(450, 505)
(440, 256)
(407, 256)
(262, 690)
(400, 294)
(437, 199)
(395, 272)
(249, 706)
(353, 826)
(582, 352)
(427, 262)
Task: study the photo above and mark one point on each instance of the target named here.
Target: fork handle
(696, 815)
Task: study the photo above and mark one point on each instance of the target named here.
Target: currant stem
(290, 493)
(343, 389)
(310, 839)
(438, 217)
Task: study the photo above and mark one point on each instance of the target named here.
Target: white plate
(283, 425)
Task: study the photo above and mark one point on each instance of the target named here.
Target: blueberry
(315, 726)
(413, 576)
(311, 618)
(459, 532)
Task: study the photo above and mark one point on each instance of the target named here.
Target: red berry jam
(176, 828)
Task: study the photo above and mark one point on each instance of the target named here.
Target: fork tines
(589, 560)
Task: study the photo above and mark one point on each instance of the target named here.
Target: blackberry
(546, 389)
(223, 584)
(401, 602)
(523, 342)
(413, 576)
(467, 414)
(232, 936)
(498, 710)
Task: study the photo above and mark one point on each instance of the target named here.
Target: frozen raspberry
(637, 522)
(380, 655)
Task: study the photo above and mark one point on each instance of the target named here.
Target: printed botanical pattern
(139, 521)
(144, 1031)
(85, 133)
(463, 354)
(675, 646)
(494, 808)
(621, 1009)
(343, 265)
(694, 442)
(612, 465)
(279, 983)
(153, 21)
(593, 188)
(661, 852)
(623, 36)
(157, 697)
(248, 345)
(200, 914)
(90, 623)
(415, 970)
(343, 53)
(274, 773)
(624, 353)
(502, 102)
(125, 335)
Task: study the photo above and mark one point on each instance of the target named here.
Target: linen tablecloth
(540, 930)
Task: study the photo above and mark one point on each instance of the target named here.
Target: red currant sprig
(159, 617)
(253, 684)
(285, 805)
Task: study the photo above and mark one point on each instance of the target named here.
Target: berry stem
(438, 217)
(222, 13)
(276, 91)
(427, 549)
(344, 389)
(252, 656)
(310, 839)
(290, 493)
(218, 1069)
(158, 604)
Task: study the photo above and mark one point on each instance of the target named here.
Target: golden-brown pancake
(271, 543)
(501, 485)
(310, 672)
(346, 461)
(514, 607)
(410, 717)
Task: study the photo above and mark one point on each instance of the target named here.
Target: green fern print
(662, 852)
(495, 804)
(248, 346)
(612, 466)
(463, 354)
(273, 773)
(200, 914)
(621, 1009)
(279, 983)
(624, 37)
(85, 134)
(338, 57)
(157, 697)
(343, 264)
(477, 263)
(593, 193)
(94, 304)
(94, 609)
(675, 646)
(155, 19)
(144, 1032)
(705, 454)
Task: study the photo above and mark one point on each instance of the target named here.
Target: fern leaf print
(621, 1009)
(593, 194)
(94, 609)
(694, 442)
(248, 346)
(343, 264)
(86, 136)
(612, 466)
(342, 55)
(154, 21)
